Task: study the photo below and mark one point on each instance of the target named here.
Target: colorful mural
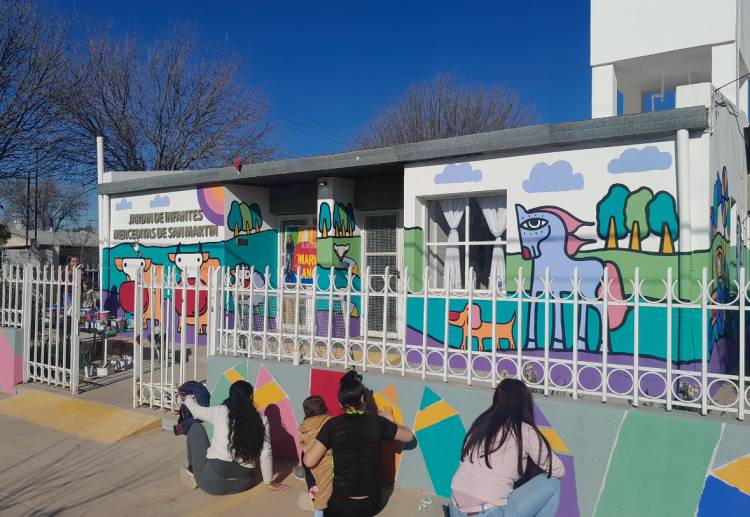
(473, 325)
(609, 452)
(244, 218)
(340, 219)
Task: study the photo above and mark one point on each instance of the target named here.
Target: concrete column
(743, 99)
(724, 69)
(603, 91)
(632, 102)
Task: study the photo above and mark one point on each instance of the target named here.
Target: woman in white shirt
(241, 440)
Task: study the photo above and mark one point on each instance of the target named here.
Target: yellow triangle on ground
(554, 439)
(233, 376)
(267, 394)
(433, 414)
(736, 474)
(90, 420)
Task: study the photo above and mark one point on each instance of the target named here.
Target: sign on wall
(191, 215)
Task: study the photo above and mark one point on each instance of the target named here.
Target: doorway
(382, 250)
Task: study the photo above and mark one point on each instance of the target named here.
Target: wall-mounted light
(322, 183)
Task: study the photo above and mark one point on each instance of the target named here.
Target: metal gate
(45, 303)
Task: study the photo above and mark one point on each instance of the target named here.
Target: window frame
(466, 243)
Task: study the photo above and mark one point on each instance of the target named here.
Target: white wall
(509, 174)
(627, 29)
(123, 207)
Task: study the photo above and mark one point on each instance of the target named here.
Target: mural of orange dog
(481, 330)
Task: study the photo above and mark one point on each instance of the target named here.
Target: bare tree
(164, 108)
(58, 205)
(444, 108)
(32, 52)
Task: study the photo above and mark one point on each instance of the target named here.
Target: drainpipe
(685, 257)
(103, 201)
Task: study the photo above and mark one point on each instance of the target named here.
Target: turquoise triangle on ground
(429, 397)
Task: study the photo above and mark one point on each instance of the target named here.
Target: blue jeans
(537, 498)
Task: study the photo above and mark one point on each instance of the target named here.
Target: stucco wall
(11, 359)
(619, 461)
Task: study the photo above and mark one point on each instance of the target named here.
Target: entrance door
(382, 251)
(298, 253)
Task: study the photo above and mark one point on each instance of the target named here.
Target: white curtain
(453, 210)
(494, 211)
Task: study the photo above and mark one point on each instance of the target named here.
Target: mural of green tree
(256, 219)
(324, 219)
(336, 219)
(635, 216)
(661, 213)
(234, 219)
(244, 218)
(350, 218)
(343, 218)
(610, 215)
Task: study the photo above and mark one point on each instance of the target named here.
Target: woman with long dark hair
(240, 441)
(495, 455)
(354, 440)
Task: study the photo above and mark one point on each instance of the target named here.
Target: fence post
(425, 299)
(741, 380)
(27, 318)
(75, 343)
(547, 288)
(576, 310)
(704, 340)
(668, 385)
(605, 333)
(636, 337)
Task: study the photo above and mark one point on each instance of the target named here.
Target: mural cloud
(458, 173)
(123, 204)
(650, 158)
(557, 177)
(159, 201)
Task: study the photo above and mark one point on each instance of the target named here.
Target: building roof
(77, 238)
(393, 159)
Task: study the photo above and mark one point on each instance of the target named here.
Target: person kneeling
(240, 441)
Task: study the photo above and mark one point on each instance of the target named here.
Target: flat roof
(389, 160)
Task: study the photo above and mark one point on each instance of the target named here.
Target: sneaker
(187, 478)
(299, 472)
(304, 502)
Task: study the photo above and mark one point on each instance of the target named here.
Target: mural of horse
(547, 238)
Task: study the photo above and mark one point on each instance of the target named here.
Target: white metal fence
(326, 323)
(45, 303)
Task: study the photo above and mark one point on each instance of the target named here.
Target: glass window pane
(438, 227)
(479, 229)
(436, 260)
(480, 258)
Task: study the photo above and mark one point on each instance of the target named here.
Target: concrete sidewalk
(44, 471)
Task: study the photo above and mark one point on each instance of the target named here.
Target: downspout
(685, 251)
(103, 217)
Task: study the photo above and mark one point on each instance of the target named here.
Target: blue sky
(328, 67)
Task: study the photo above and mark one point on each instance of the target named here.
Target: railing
(45, 303)
(11, 296)
(679, 346)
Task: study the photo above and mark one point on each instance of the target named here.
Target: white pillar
(724, 70)
(603, 91)
(632, 102)
(743, 99)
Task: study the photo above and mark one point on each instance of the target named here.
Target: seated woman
(494, 457)
(240, 441)
(354, 440)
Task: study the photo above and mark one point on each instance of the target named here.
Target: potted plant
(88, 368)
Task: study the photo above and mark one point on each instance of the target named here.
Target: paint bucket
(104, 316)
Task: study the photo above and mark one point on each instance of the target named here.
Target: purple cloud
(123, 204)
(557, 177)
(458, 173)
(650, 158)
(159, 201)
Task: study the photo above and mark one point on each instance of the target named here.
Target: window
(465, 234)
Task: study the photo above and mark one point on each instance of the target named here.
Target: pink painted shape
(476, 317)
(11, 366)
(572, 224)
(281, 421)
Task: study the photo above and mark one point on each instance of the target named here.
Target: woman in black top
(354, 439)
